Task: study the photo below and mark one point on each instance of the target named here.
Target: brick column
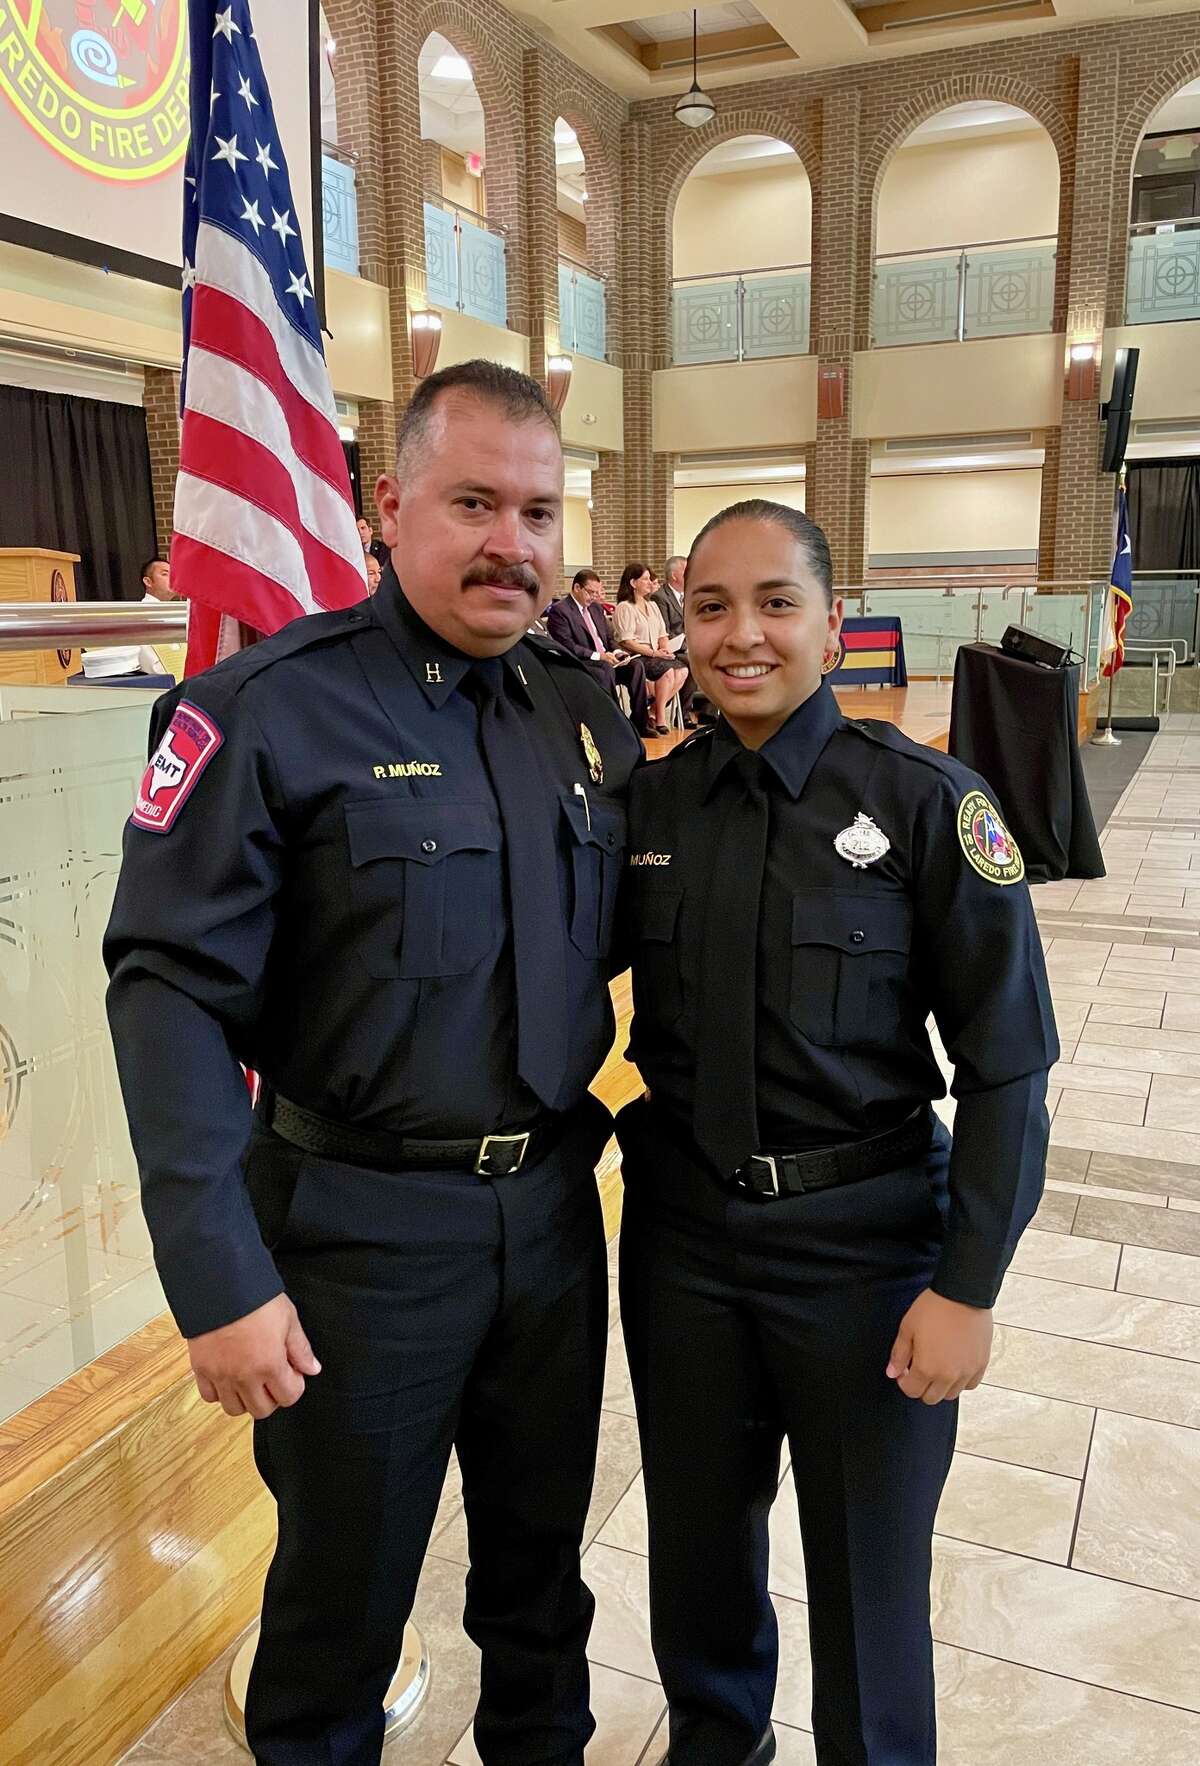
(160, 400)
(608, 519)
(541, 211)
(646, 346)
(376, 446)
(837, 496)
(1083, 495)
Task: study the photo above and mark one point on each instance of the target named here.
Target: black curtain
(75, 477)
(354, 468)
(1164, 514)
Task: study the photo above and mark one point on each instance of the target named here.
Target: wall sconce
(558, 380)
(426, 342)
(1083, 372)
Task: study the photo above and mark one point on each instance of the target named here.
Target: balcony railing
(339, 208)
(465, 261)
(582, 311)
(1164, 272)
(1002, 289)
(743, 316)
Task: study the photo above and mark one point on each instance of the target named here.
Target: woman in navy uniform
(804, 1253)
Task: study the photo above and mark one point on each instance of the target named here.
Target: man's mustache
(503, 576)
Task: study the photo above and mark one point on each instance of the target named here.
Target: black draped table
(1017, 724)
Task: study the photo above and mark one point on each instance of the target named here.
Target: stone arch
(960, 89)
(501, 102)
(604, 193)
(727, 126)
(1165, 84)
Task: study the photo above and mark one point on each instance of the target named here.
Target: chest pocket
(657, 978)
(849, 965)
(597, 849)
(426, 884)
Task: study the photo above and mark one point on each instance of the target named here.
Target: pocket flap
(654, 912)
(596, 822)
(851, 922)
(425, 832)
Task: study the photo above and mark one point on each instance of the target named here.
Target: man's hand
(614, 658)
(256, 1364)
(942, 1348)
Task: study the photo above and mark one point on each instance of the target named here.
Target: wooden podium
(30, 573)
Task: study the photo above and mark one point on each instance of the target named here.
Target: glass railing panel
(1063, 619)
(441, 257)
(76, 1274)
(933, 623)
(1009, 291)
(566, 306)
(484, 280)
(916, 300)
(339, 214)
(775, 314)
(1164, 277)
(591, 316)
(1165, 611)
(705, 316)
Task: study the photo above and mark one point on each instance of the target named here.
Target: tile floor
(1066, 1587)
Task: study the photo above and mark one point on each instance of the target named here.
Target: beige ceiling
(792, 35)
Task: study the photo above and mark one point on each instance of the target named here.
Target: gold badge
(987, 845)
(592, 755)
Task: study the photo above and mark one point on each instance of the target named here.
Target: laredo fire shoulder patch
(175, 768)
(987, 845)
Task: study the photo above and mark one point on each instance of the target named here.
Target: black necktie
(725, 1120)
(535, 907)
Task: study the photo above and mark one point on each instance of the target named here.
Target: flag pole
(1107, 738)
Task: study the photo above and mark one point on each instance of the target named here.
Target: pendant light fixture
(695, 108)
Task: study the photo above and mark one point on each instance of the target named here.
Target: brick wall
(1093, 90)
(161, 401)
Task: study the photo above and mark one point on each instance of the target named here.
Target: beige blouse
(640, 620)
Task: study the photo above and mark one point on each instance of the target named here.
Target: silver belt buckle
(482, 1156)
(768, 1159)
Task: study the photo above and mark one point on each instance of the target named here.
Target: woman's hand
(942, 1348)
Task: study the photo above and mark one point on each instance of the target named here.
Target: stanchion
(404, 1699)
(1106, 738)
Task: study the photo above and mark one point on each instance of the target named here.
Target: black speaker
(1029, 647)
(1116, 414)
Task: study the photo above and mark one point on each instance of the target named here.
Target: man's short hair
(670, 565)
(518, 395)
(584, 576)
(148, 566)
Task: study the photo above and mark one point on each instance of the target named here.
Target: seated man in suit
(668, 597)
(580, 625)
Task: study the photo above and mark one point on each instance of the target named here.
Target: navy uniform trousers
(747, 1321)
(445, 1310)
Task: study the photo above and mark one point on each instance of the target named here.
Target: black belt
(769, 1175)
(493, 1155)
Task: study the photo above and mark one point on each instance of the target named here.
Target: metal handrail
(346, 155)
(724, 275)
(460, 208)
(42, 625)
(571, 263)
(942, 251)
(1162, 226)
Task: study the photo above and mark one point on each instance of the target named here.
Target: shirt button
(857, 937)
(431, 846)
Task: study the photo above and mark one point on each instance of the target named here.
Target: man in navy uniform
(580, 625)
(374, 859)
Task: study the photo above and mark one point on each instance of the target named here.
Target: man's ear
(387, 501)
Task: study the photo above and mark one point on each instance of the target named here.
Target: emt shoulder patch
(175, 768)
(987, 845)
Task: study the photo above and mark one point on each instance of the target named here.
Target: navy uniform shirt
(313, 885)
(852, 959)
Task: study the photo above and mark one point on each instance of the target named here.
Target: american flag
(264, 524)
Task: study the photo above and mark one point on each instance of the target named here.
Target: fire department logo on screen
(103, 82)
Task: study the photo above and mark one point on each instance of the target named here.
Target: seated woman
(641, 629)
(804, 1253)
